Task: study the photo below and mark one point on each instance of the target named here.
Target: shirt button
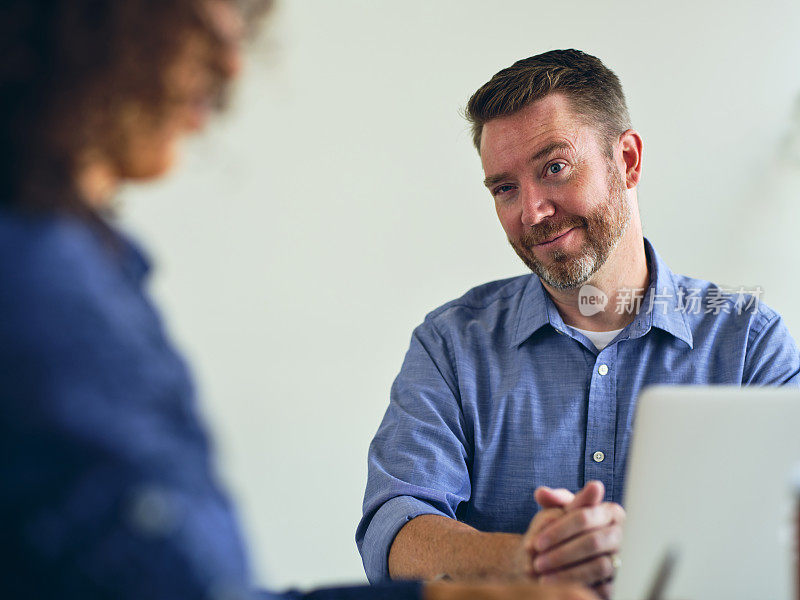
(602, 369)
(598, 456)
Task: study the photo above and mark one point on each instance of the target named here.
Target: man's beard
(604, 228)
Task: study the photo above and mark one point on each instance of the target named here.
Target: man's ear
(630, 148)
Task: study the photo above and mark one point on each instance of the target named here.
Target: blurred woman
(107, 487)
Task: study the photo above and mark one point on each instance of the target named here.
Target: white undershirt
(600, 339)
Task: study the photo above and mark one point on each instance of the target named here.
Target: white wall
(340, 200)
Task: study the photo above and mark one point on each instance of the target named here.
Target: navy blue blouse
(107, 486)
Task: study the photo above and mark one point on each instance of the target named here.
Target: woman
(107, 491)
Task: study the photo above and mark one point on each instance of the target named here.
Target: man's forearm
(433, 545)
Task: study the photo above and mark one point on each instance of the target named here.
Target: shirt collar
(134, 259)
(126, 251)
(534, 311)
(660, 307)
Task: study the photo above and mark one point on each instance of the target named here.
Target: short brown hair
(594, 91)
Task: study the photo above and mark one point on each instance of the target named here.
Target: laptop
(709, 493)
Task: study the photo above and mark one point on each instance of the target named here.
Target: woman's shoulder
(54, 266)
(67, 293)
(47, 252)
(45, 243)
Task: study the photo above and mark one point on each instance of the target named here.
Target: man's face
(560, 198)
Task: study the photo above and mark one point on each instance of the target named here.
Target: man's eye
(502, 189)
(555, 168)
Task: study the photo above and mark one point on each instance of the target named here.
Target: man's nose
(536, 207)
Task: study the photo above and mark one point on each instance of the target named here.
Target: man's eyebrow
(547, 150)
(494, 179)
(550, 149)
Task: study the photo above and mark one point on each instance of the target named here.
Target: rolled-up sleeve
(418, 460)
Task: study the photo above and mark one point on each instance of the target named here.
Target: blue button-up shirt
(497, 395)
(106, 483)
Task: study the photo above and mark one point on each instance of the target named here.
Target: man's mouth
(554, 238)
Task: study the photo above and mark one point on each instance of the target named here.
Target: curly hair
(67, 69)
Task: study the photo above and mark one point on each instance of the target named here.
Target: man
(107, 487)
(532, 381)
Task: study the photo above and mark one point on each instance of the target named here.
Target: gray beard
(605, 227)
